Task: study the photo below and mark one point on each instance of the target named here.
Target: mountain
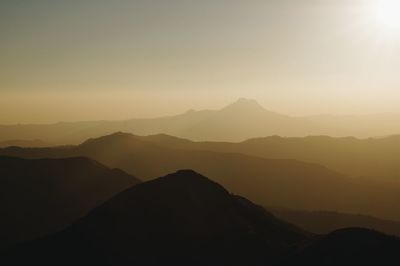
(349, 246)
(273, 182)
(42, 196)
(241, 120)
(180, 219)
(186, 219)
(238, 121)
(324, 222)
(374, 158)
(24, 143)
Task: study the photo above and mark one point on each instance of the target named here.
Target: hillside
(42, 196)
(186, 219)
(349, 246)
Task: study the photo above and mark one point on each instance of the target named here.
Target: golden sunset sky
(96, 59)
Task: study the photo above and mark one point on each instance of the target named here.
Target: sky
(96, 59)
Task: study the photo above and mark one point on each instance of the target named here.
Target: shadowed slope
(38, 197)
(186, 219)
(350, 246)
(179, 219)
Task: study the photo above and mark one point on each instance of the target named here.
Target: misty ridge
(239, 121)
(236, 186)
(291, 183)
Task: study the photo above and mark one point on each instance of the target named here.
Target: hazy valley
(199, 133)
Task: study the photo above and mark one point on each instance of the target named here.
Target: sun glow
(388, 13)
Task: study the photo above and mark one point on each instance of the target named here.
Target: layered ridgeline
(271, 182)
(373, 158)
(186, 219)
(42, 196)
(239, 121)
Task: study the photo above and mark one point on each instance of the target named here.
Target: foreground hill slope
(286, 183)
(38, 197)
(323, 222)
(186, 219)
(179, 219)
(349, 246)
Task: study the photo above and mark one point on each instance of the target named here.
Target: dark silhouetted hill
(350, 246)
(179, 219)
(273, 182)
(323, 222)
(42, 196)
(186, 219)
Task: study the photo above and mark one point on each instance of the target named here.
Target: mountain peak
(181, 183)
(188, 180)
(246, 101)
(185, 172)
(244, 104)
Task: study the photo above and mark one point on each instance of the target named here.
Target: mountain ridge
(235, 122)
(186, 219)
(310, 186)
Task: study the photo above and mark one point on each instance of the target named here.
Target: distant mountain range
(273, 182)
(239, 121)
(38, 197)
(186, 219)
